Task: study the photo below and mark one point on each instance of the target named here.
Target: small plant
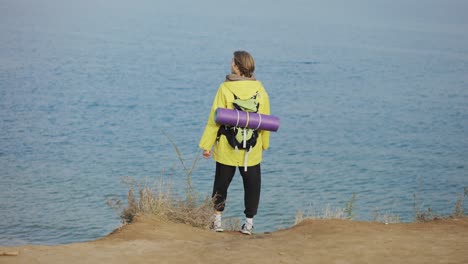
(420, 214)
(131, 210)
(458, 211)
(190, 194)
(426, 216)
(299, 217)
(348, 210)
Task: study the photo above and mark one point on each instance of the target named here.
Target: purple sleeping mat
(234, 117)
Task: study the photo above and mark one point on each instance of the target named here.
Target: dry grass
(158, 199)
(329, 212)
(424, 213)
(387, 218)
(420, 214)
(326, 213)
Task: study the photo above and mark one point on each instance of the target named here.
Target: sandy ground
(149, 240)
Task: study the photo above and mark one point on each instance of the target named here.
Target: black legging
(252, 184)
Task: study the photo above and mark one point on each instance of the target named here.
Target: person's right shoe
(247, 229)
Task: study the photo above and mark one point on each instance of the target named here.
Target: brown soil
(149, 240)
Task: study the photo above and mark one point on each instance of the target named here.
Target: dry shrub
(160, 201)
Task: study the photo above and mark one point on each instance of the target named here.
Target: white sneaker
(216, 225)
(247, 229)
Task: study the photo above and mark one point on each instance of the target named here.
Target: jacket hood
(234, 77)
(242, 87)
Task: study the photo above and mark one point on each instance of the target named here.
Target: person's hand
(206, 154)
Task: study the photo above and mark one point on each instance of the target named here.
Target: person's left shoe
(217, 223)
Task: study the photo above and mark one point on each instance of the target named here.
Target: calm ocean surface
(373, 100)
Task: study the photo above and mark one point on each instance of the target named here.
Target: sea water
(372, 98)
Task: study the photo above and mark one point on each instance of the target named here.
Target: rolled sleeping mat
(234, 117)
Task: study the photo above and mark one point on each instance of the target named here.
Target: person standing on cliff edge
(240, 84)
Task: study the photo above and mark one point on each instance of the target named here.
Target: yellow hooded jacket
(223, 152)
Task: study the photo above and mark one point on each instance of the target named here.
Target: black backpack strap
(229, 133)
(221, 131)
(253, 96)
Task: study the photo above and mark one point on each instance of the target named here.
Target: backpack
(241, 137)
